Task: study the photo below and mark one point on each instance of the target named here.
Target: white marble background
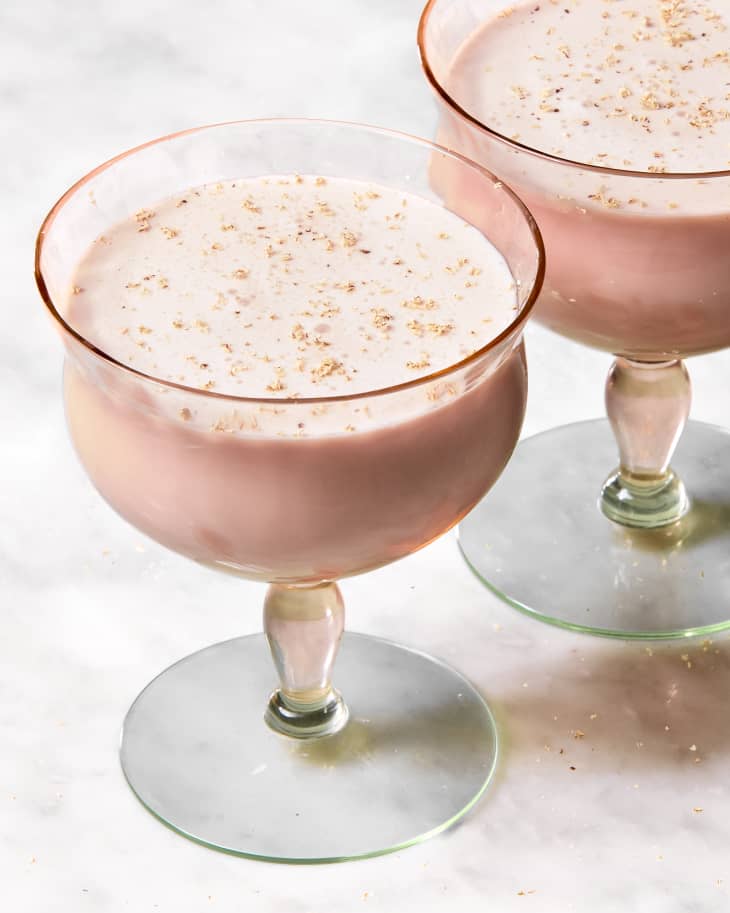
(91, 611)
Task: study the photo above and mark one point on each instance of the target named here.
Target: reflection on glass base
(540, 541)
(417, 753)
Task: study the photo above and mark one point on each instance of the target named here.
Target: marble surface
(90, 611)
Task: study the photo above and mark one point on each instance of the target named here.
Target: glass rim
(493, 343)
(441, 91)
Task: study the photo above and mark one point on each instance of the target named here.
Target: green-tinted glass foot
(541, 542)
(418, 751)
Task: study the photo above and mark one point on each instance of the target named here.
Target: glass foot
(540, 541)
(418, 751)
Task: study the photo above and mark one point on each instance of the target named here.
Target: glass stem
(647, 404)
(304, 625)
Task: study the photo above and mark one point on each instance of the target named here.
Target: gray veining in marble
(607, 821)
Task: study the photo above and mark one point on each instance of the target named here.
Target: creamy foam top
(641, 85)
(291, 287)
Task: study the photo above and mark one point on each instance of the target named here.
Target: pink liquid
(643, 286)
(297, 508)
(636, 265)
(291, 287)
(295, 490)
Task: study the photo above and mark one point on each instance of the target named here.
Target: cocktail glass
(637, 265)
(297, 493)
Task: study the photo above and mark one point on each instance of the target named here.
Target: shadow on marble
(364, 740)
(705, 520)
(625, 706)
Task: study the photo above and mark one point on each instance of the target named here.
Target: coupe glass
(275, 490)
(637, 265)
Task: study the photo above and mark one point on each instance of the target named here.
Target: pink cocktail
(286, 358)
(609, 122)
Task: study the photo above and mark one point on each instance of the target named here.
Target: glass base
(417, 753)
(540, 541)
(644, 504)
